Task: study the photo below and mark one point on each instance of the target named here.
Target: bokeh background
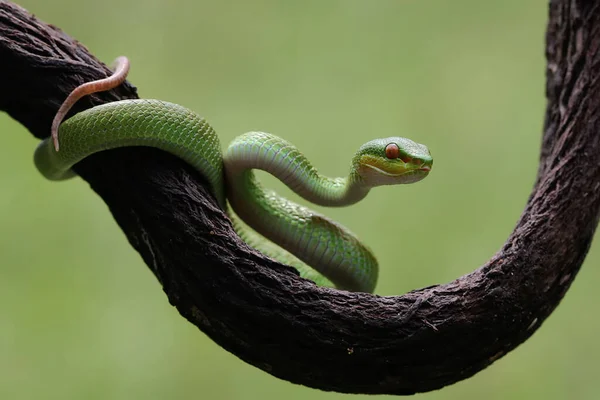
(82, 317)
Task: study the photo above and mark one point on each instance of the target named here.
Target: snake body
(321, 249)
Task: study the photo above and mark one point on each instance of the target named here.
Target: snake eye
(392, 151)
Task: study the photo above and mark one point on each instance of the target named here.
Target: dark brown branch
(261, 310)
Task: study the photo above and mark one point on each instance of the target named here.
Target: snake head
(392, 161)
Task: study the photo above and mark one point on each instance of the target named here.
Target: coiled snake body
(322, 250)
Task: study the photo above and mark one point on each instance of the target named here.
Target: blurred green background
(83, 317)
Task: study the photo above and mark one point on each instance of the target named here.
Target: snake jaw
(375, 176)
(386, 173)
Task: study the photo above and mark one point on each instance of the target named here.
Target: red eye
(392, 151)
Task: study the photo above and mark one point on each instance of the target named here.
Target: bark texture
(261, 310)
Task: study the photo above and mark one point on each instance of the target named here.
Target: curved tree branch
(261, 310)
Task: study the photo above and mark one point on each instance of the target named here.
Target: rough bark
(261, 310)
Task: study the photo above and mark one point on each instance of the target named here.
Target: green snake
(321, 249)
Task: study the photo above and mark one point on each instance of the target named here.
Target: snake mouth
(402, 170)
(382, 172)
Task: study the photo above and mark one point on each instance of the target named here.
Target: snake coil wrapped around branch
(261, 310)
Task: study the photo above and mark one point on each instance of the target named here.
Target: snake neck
(325, 191)
(259, 150)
